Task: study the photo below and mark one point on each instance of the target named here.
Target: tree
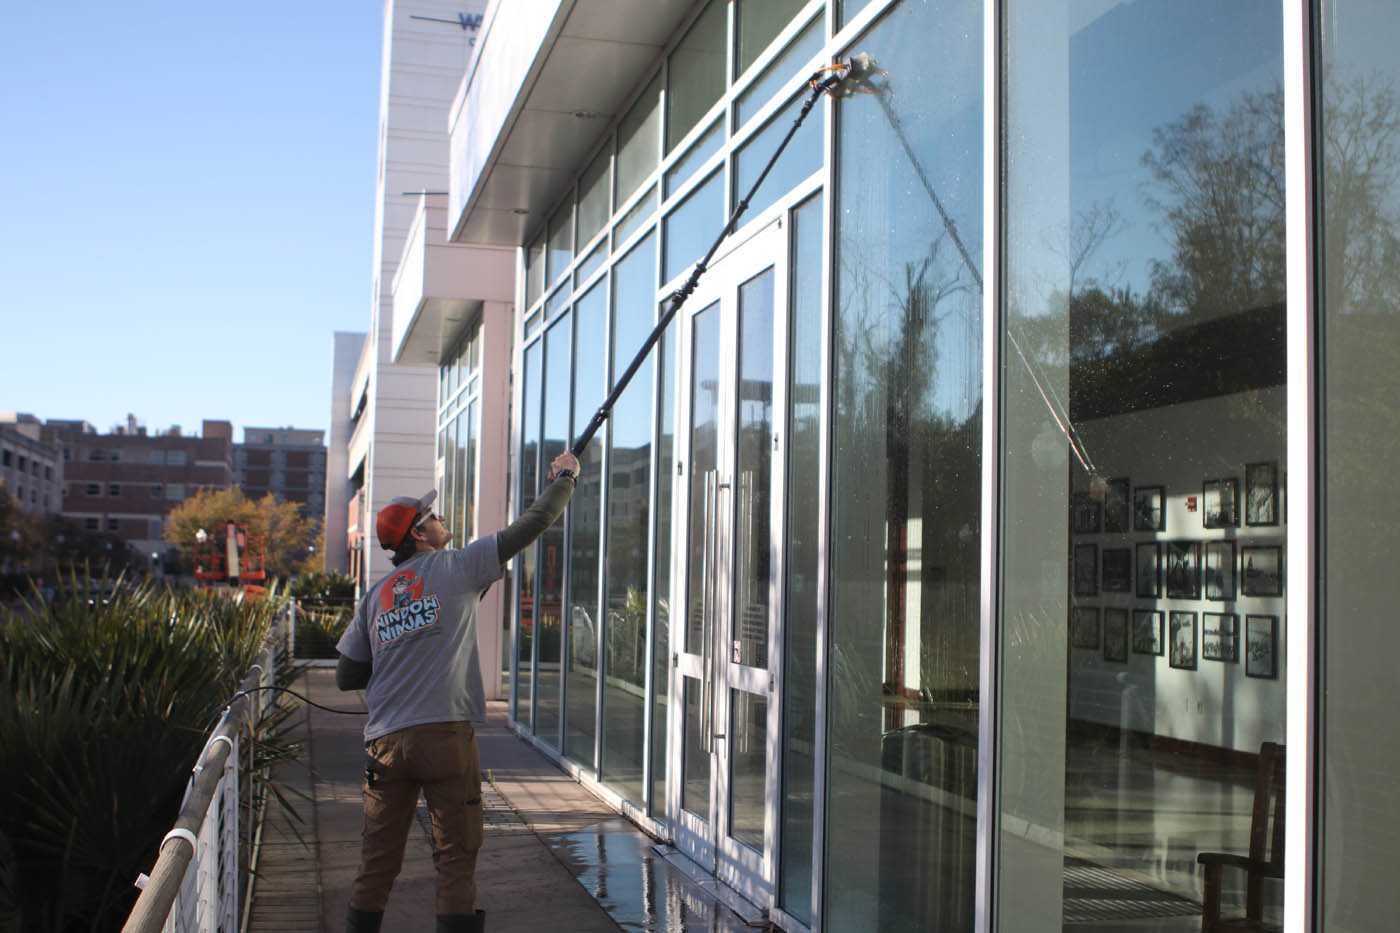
(1218, 183)
(287, 534)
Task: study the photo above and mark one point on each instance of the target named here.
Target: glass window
(801, 158)
(661, 579)
(697, 155)
(638, 217)
(594, 197)
(637, 136)
(798, 53)
(550, 588)
(696, 74)
(158, 456)
(557, 301)
(626, 592)
(561, 242)
(802, 545)
(534, 271)
(174, 458)
(527, 561)
(1144, 411)
(846, 10)
(691, 228)
(585, 527)
(175, 491)
(906, 482)
(591, 263)
(1360, 208)
(758, 23)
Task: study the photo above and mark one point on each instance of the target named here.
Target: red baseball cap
(398, 517)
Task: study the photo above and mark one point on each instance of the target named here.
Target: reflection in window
(801, 543)
(561, 241)
(534, 271)
(628, 521)
(585, 530)
(696, 74)
(799, 52)
(636, 218)
(525, 564)
(1360, 123)
(801, 158)
(550, 585)
(1144, 426)
(661, 578)
(693, 226)
(697, 155)
(906, 482)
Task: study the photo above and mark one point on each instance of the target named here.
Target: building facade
(30, 467)
(289, 463)
(126, 482)
(1002, 501)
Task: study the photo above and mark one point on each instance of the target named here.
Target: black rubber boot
(363, 921)
(462, 923)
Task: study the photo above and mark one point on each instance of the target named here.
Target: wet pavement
(556, 857)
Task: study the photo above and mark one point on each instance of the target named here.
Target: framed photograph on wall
(1117, 570)
(1149, 570)
(1181, 642)
(1085, 513)
(1147, 631)
(1220, 570)
(1149, 508)
(1261, 493)
(1220, 503)
(1261, 646)
(1084, 627)
(1183, 569)
(1220, 636)
(1115, 635)
(1116, 505)
(1086, 570)
(1261, 570)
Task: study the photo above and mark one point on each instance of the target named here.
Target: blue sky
(187, 210)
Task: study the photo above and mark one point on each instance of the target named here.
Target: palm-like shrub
(104, 706)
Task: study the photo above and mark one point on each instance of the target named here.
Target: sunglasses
(424, 519)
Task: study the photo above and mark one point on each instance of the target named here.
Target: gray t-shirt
(417, 627)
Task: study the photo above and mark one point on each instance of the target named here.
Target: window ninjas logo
(409, 617)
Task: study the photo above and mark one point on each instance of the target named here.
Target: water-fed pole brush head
(861, 68)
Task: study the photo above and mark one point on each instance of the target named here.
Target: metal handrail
(178, 848)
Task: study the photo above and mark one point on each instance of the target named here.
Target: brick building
(125, 482)
(31, 469)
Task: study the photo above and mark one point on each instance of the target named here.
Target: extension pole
(819, 86)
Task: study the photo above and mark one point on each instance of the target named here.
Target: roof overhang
(548, 80)
(440, 287)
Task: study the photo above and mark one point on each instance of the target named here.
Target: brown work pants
(441, 760)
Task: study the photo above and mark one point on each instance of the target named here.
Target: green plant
(104, 705)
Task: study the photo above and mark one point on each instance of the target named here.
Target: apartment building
(30, 468)
(289, 463)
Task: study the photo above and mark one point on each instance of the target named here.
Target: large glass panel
(1142, 527)
(754, 502)
(697, 73)
(802, 548)
(637, 136)
(585, 524)
(661, 576)
(629, 519)
(695, 789)
(591, 263)
(447, 461)
(595, 197)
(550, 588)
(525, 564)
(693, 226)
(798, 53)
(467, 515)
(636, 218)
(801, 158)
(561, 242)
(534, 271)
(906, 481)
(456, 513)
(846, 10)
(748, 766)
(758, 23)
(697, 155)
(1360, 209)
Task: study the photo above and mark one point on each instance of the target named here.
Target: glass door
(723, 807)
